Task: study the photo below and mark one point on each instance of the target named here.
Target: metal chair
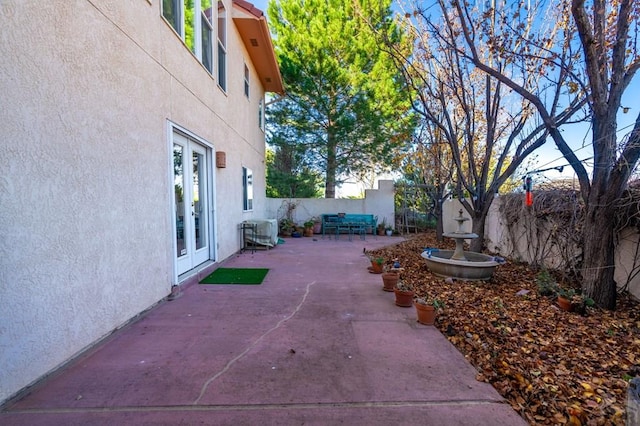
(343, 226)
(358, 228)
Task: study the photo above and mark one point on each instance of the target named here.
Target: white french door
(192, 202)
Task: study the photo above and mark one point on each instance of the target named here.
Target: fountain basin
(477, 267)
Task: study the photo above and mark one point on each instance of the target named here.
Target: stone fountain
(464, 265)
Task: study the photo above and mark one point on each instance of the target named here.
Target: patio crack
(252, 345)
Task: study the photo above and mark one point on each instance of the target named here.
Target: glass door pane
(199, 199)
(178, 182)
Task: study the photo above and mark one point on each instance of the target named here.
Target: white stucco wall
(86, 231)
(378, 202)
(627, 258)
(498, 239)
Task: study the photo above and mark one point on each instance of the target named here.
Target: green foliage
(567, 293)
(547, 285)
(436, 303)
(287, 225)
(345, 106)
(288, 177)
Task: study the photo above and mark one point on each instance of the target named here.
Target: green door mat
(249, 276)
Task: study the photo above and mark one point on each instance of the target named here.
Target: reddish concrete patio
(317, 343)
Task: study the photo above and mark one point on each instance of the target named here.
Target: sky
(577, 136)
(260, 4)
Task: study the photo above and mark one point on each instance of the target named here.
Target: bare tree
(428, 167)
(489, 128)
(601, 66)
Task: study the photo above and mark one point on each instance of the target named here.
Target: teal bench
(337, 223)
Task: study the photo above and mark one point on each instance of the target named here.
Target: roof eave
(254, 31)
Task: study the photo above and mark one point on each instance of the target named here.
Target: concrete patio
(317, 343)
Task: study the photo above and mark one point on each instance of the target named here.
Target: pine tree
(345, 105)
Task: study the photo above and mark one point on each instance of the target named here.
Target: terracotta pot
(308, 232)
(426, 313)
(404, 299)
(380, 231)
(375, 268)
(389, 280)
(565, 304)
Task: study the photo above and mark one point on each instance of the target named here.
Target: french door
(192, 202)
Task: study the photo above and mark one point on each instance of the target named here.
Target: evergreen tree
(345, 107)
(287, 177)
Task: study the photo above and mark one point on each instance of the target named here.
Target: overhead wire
(578, 149)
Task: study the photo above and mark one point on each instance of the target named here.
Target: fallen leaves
(553, 367)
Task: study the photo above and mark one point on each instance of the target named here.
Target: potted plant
(564, 298)
(404, 294)
(388, 230)
(390, 279)
(580, 303)
(376, 264)
(308, 228)
(317, 225)
(426, 309)
(287, 226)
(381, 227)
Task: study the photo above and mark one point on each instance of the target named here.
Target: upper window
(247, 188)
(172, 12)
(189, 25)
(197, 33)
(206, 34)
(246, 80)
(222, 46)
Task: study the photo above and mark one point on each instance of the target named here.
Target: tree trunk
(599, 228)
(477, 227)
(437, 211)
(332, 164)
(598, 260)
(479, 216)
(599, 236)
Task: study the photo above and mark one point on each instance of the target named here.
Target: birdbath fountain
(464, 265)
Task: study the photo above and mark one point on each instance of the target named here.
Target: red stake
(528, 184)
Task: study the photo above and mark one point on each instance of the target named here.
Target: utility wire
(585, 146)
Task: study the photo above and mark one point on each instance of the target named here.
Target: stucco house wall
(90, 92)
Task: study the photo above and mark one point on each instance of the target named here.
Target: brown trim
(254, 31)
